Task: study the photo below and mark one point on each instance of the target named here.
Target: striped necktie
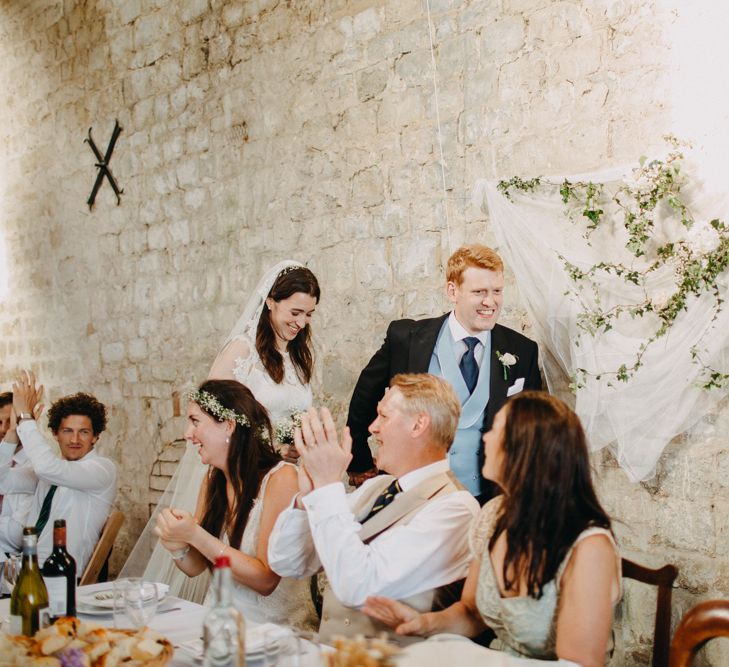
(45, 510)
(385, 498)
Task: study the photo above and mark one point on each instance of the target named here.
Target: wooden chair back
(103, 548)
(703, 622)
(663, 578)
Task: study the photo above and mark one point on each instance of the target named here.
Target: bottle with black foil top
(59, 575)
(29, 599)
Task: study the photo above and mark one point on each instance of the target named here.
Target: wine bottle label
(16, 624)
(57, 595)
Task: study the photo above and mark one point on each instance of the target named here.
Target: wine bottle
(29, 600)
(223, 628)
(59, 575)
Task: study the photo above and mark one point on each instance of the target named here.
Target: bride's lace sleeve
(235, 361)
(483, 526)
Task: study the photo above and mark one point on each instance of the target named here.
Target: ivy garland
(697, 260)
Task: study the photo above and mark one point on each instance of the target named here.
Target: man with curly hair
(78, 486)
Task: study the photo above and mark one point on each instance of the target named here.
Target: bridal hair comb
(288, 269)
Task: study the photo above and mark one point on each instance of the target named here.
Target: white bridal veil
(637, 418)
(148, 558)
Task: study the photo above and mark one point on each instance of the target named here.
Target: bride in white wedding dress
(269, 351)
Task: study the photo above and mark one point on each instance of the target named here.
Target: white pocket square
(515, 388)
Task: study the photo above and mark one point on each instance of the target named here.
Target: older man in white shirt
(405, 534)
(79, 486)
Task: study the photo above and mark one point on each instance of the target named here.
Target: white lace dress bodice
(290, 603)
(281, 400)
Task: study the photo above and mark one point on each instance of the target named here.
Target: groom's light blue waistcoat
(463, 456)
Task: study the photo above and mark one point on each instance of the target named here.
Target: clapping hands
(323, 459)
(174, 528)
(26, 396)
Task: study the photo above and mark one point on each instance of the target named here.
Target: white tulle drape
(637, 418)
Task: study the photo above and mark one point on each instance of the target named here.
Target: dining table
(181, 622)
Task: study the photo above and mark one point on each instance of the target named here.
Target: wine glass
(140, 602)
(11, 568)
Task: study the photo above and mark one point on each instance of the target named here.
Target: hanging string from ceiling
(442, 162)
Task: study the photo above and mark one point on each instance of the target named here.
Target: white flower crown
(212, 405)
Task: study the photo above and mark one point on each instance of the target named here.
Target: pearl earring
(227, 440)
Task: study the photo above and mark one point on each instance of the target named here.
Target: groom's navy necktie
(468, 365)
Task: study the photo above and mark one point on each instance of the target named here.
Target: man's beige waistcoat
(340, 620)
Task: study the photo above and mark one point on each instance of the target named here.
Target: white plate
(91, 610)
(105, 598)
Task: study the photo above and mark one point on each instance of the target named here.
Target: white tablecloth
(454, 650)
(178, 620)
(185, 624)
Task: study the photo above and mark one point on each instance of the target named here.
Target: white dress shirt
(17, 485)
(459, 332)
(431, 550)
(86, 491)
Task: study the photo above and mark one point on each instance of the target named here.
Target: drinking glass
(11, 568)
(135, 602)
(140, 602)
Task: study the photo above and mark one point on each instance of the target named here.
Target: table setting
(132, 605)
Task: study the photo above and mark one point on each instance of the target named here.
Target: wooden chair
(102, 551)
(705, 621)
(663, 578)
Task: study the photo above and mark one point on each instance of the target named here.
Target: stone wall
(257, 130)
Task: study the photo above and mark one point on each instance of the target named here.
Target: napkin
(445, 649)
(255, 637)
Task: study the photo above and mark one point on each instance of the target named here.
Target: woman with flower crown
(246, 488)
(269, 351)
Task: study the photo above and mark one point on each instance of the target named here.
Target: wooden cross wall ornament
(103, 166)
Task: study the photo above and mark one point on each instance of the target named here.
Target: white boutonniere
(507, 360)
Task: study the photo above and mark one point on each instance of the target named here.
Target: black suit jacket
(408, 348)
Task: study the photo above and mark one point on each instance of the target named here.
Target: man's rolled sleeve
(291, 551)
(87, 474)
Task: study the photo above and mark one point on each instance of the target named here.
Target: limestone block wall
(257, 130)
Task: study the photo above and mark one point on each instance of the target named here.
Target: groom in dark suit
(484, 361)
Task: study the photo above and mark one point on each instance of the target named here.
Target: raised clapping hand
(323, 458)
(174, 528)
(26, 396)
(403, 619)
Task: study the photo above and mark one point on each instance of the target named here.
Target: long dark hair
(250, 457)
(549, 498)
(290, 281)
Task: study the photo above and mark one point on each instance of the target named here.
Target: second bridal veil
(149, 559)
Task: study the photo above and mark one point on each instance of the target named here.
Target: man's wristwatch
(25, 415)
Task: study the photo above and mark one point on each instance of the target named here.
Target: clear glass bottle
(223, 628)
(59, 575)
(29, 600)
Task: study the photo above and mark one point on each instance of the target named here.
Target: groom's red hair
(476, 256)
